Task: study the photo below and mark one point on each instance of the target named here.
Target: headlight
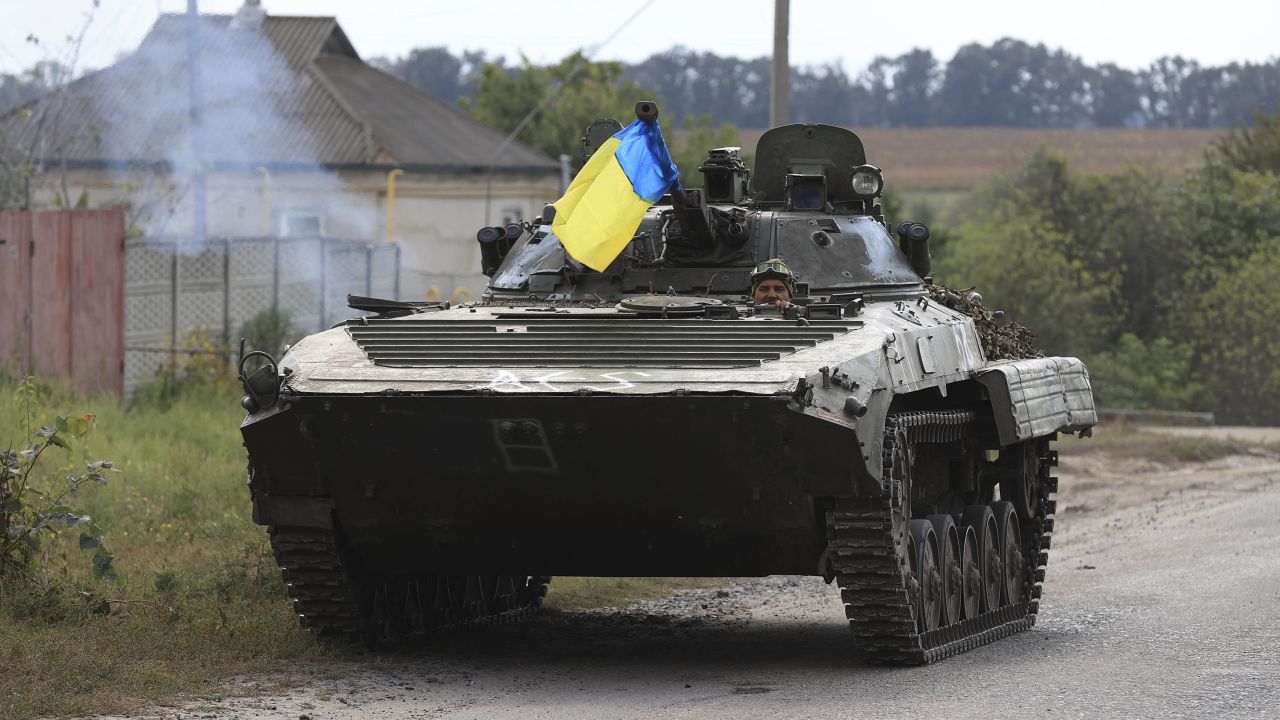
(868, 181)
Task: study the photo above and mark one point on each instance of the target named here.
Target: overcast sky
(1130, 33)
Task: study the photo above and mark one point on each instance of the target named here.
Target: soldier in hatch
(773, 284)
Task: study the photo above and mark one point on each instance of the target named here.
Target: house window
(301, 224)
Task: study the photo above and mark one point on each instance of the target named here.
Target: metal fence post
(397, 271)
(275, 277)
(174, 291)
(324, 284)
(368, 270)
(226, 294)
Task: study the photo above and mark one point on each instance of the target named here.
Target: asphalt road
(1162, 601)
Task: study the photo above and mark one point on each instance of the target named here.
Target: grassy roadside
(584, 593)
(1126, 440)
(203, 599)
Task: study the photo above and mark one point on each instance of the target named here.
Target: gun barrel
(647, 110)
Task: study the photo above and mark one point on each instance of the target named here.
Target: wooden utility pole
(780, 88)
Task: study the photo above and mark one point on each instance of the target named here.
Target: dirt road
(1162, 601)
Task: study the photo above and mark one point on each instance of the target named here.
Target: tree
(18, 90)
(1245, 91)
(576, 92)
(438, 72)
(916, 79)
(1234, 331)
(699, 135)
(823, 94)
(902, 91)
(729, 89)
(1009, 83)
(21, 166)
(1014, 84)
(966, 94)
(1166, 104)
(1145, 375)
(1225, 214)
(1254, 150)
(1115, 97)
(1020, 263)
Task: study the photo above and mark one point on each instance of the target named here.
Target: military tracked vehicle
(429, 465)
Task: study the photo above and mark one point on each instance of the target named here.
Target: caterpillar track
(333, 598)
(869, 547)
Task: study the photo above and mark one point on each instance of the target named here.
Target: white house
(292, 134)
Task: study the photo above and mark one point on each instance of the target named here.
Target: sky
(1130, 33)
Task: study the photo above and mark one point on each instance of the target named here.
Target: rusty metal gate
(62, 295)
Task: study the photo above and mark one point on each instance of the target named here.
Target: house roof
(291, 92)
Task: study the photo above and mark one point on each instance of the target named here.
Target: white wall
(435, 222)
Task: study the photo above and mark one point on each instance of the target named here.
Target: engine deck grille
(587, 342)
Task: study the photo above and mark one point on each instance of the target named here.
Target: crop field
(933, 159)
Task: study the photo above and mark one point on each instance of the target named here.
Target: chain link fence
(175, 287)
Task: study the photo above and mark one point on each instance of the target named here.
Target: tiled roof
(293, 92)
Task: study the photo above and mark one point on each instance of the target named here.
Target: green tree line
(1009, 83)
(1165, 286)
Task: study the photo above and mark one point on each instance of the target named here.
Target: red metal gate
(62, 295)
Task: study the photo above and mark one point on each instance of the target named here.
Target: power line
(15, 59)
(105, 29)
(551, 95)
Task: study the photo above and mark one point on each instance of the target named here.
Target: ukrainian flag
(602, 208)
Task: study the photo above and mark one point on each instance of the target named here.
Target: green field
(934, 170)
(919, 159)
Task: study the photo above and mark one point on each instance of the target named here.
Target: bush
(1236, 339)
(200, 365)
(1017, 261)
(1145, 376)
(269, 331)
(37, 502)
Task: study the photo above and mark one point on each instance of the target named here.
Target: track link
(868, 546)
(333, 598)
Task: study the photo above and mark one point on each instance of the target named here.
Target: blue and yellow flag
(603, 206)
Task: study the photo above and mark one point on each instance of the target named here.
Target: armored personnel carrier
(428, 465)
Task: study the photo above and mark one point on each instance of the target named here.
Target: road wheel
(944, 529)
(928, 575)
(980, 519)
(1010, 539)
(971, 575)
(1021, 469)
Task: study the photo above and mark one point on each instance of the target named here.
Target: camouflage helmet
(773, 269)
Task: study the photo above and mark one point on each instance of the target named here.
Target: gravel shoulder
(1162, 600)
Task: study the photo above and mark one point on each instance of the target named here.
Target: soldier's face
(773, 291)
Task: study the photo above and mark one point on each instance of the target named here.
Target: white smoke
(255, 111)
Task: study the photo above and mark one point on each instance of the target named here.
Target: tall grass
(202, 599)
